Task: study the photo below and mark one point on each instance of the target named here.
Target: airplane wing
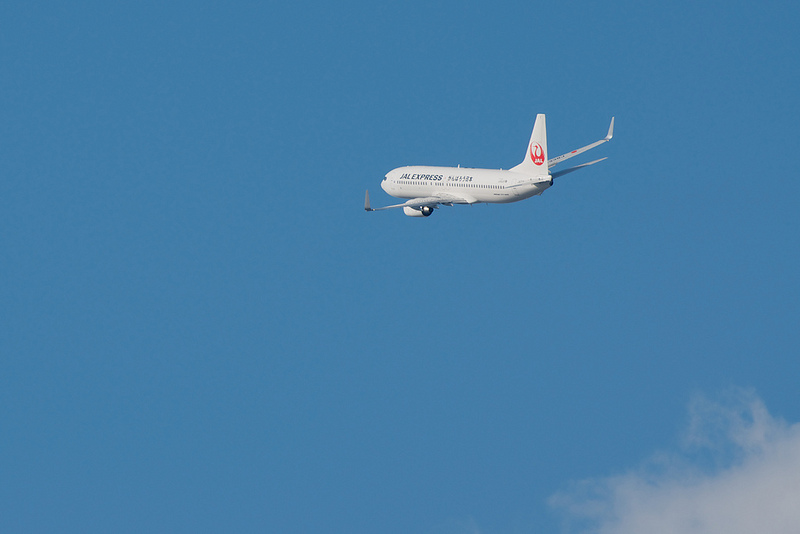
(445, 199)
(562, 157)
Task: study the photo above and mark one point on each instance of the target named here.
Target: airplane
(427, 188)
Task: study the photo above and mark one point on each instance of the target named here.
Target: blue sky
(202, 330)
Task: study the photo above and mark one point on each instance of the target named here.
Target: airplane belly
(505, 198)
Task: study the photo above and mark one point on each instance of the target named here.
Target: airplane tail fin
(535, 162)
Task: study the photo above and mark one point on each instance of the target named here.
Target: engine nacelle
(424, 211)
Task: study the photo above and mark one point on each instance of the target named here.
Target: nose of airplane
(386, 181)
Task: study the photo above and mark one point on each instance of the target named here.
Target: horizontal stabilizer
(556, 174)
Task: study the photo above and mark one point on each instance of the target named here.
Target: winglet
(610, 130)
(366, 202)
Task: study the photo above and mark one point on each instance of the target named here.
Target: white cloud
(739, 472)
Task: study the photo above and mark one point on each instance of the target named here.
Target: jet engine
(424, 211)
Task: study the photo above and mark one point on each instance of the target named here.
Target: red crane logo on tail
(537, 153)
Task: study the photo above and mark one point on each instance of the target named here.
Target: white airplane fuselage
(478, 185)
